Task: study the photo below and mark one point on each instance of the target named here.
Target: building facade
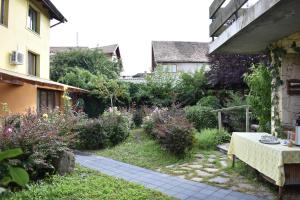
(176, 57)
(24, 55)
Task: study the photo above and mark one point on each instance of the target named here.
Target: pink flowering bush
(37, 137)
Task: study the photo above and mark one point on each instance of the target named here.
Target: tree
(227, 70)
(93, 61)
(259, 98)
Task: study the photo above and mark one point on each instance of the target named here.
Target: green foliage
(208, 139)
(209, 101)
(191, 88)
(160, 88)
(10, 173)
(201, 117)
(176, 135)
(236, 118)
(93, 61)
(86, 184)
(110, 129)
(137, 117)
(142, 150)
(259, 98)
(171, 129)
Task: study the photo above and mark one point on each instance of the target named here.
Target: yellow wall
(18, 98)
(16, 34)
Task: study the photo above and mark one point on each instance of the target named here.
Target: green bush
(110, 129)
(91, 135)
(209, 101)
(137, 117)
(209, 138)
(176, 135)
(259, 98)
(201, 117)
(116, 126)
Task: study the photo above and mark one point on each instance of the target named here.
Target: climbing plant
(276, 53)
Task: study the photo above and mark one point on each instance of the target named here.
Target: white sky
(133, 24)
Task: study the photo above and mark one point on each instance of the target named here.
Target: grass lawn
(85, 184)
(139, 149)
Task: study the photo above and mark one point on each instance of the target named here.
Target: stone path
(173, 186)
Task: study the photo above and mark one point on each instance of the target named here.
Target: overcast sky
(133, 24)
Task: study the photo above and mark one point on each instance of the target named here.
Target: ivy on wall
(276, 54)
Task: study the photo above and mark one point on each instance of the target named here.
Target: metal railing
(247, 110)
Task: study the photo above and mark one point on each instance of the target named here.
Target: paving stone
(212, 170)
(176, 187)
(178, 172)
(246, 186)
(195, 166)
(224, 163)
(185, 168)
(211, 160)
(199, 156)
(219, 180)
(202, 173)
(212, 156)
(197, 179)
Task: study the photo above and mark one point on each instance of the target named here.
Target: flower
(45, 116)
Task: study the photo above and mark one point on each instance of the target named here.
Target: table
(277, 162)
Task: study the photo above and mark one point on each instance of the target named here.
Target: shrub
(116, 126)
(38, 139)
(209, 101)
(176, 135)
(236, 118)
(201, 117)
(259, 98)
(210, 138)
(110, 129)
(171, 128)
(91, 135)
(138, 117)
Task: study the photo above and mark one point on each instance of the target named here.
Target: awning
(15, 78)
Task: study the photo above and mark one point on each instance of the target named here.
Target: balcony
(249, 26)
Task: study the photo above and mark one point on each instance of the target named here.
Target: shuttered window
(4, 12)
(48, 99)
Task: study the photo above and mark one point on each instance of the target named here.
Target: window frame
(35, 71)
(33, 19)
(4, 12)
(55, 99)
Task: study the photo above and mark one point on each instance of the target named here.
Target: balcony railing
(223, 16)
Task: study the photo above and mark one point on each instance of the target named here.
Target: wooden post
(247, 119)
(220, 120)
(233, 160)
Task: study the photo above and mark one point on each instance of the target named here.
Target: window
(4, 12)
(33, 20)
(48, 99)
(33, 64)
(170, 68)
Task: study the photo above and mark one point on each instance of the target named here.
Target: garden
(168, 124)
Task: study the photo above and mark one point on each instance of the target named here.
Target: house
(241, 29)
(111, 51)
(24, 56)
(180, 56)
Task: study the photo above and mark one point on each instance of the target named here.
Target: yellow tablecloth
(267, 159)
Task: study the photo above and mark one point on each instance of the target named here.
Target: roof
(54, 50)
(18, 79)
(53, 11)
(181, 52)
(108, 49)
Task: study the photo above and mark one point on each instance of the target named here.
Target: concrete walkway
(173, 186)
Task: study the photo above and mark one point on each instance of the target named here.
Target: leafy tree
(259, 82)
(191, 88)
(227, 70)
(93, 61)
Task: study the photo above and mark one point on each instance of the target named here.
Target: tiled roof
(172, 51)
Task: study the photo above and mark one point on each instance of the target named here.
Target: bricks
(169, 185)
